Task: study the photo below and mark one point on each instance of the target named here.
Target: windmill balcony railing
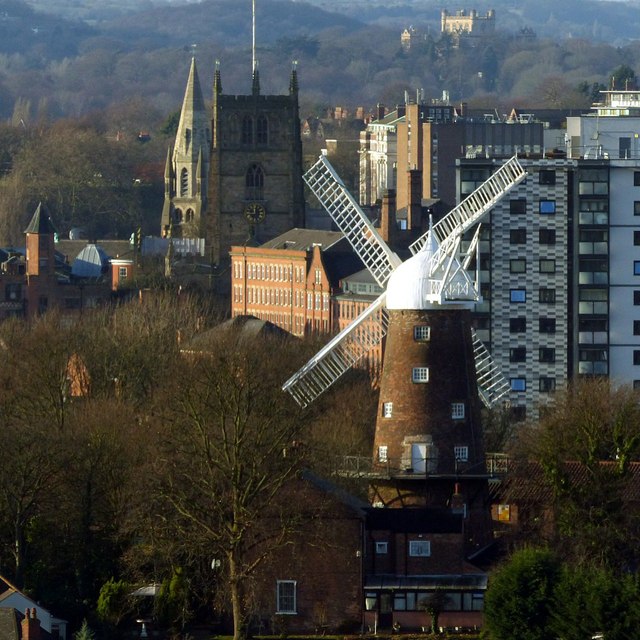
(497, 464)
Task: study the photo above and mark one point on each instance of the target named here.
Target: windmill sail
(474, 206)
(338, 355)
(351, 220)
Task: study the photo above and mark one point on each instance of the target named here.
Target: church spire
(217, 81)
(293, 81)
(255, 88)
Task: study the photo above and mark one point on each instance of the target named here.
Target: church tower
(41, 261)
(187, 167)
(255, 189)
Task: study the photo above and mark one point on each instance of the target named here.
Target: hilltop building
(467, 25)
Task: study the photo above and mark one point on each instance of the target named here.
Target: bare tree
(228, 446)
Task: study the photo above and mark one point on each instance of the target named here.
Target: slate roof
(41, 222)
(304, 240)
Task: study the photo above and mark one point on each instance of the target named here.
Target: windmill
(435, 370)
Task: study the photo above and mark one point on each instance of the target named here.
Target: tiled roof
(8, 624)
(305, 239)
(526, 482)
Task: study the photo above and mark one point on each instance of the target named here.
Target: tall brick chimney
(388, 217)
(414, 208)
(31, 626)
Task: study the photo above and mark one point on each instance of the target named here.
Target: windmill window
(383, 453)
(461, 453)
(387, 409)
(420, 374)
(422, 333)
(457, 410)
(420, 548)
(286, 596)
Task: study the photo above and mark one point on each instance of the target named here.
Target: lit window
(387, 409)
(381, 548)
(420, 548)
(547, 207)
(422, 333)
(457, 410)
(383, 453)
(286, 596)
(518, 384)
(420, 374)
(518, 295)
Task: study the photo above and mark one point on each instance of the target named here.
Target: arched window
(247, 130)
(254, 183)
(184, 182)
(189, 215)
(177, 216)
(262, 130)
(233, 129)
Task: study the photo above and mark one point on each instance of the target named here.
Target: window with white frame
(419, 548)
(381, 548)
(461, 453)
(286, 596)
(457, 410)
(383, 453)
(420, 374)
(387, 409)
(422, 333)
(122, 273)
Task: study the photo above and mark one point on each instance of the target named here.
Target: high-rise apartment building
(560, 264)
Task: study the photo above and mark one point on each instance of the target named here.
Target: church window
(189, 215)
(184, 182)
(233, 130)
(262, 130)
(177, 216)
(187, 138)
(247, 130)
(254, 183)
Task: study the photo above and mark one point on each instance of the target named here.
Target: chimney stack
(31, 626)
(388, 217)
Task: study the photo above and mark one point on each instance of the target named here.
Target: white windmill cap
(413, 285)
(410, 284)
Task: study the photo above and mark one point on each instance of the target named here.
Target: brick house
(291, 280)
(314, 583)
(413, 556)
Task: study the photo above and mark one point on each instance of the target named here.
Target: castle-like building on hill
(234, 175)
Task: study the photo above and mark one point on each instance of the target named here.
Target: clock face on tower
(254, 212)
